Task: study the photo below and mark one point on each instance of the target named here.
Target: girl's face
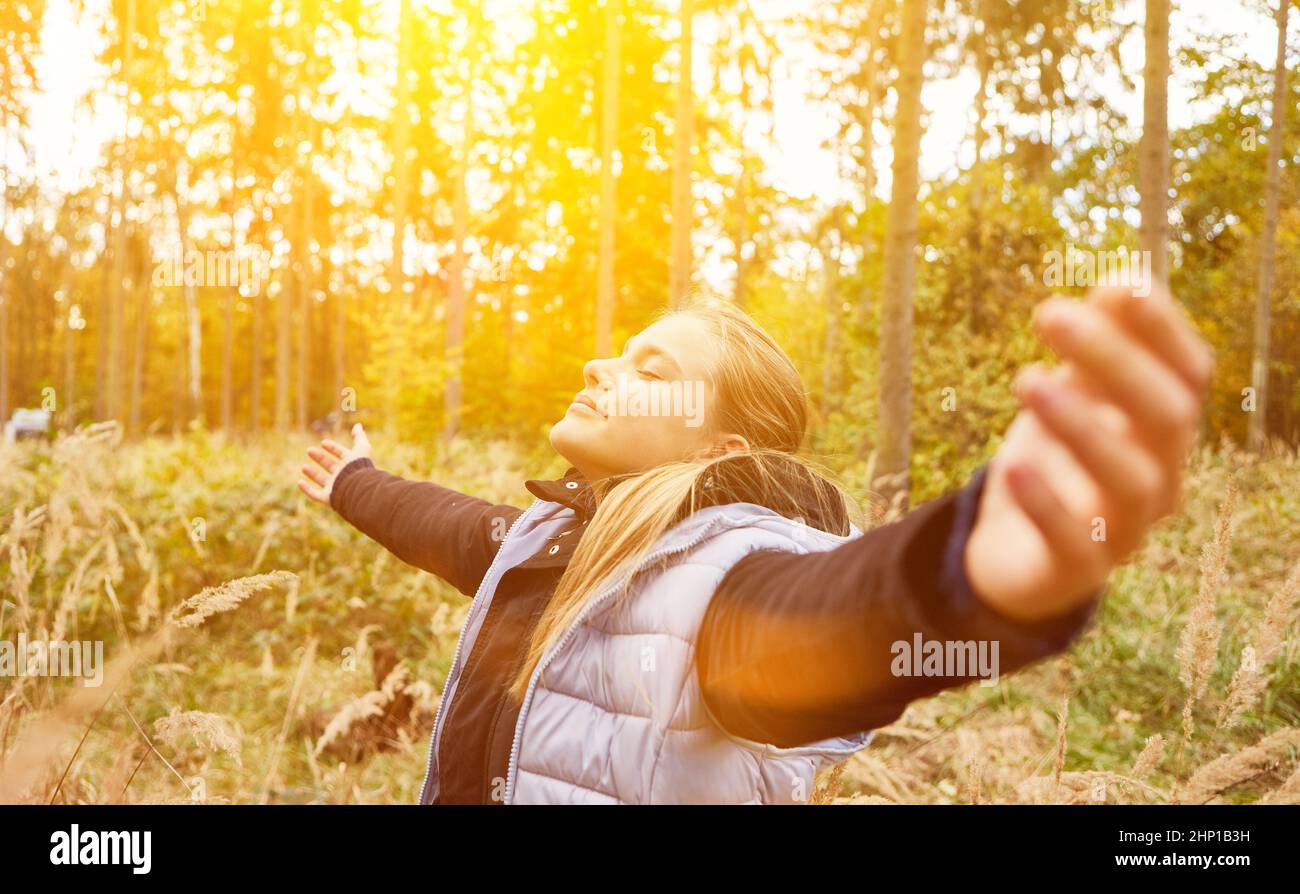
(649, 406)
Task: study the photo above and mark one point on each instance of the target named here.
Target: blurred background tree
(447, 207)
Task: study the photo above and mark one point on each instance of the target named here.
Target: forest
(229, 227)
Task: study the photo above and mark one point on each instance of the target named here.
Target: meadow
(260, 650)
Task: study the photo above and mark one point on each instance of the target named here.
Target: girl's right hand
(330, 457)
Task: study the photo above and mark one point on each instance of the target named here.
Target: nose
(596, 372)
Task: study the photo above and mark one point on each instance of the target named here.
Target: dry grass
(1094, 725)
(227, 681)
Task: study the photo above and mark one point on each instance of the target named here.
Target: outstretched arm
(424, 524)
(796, 648)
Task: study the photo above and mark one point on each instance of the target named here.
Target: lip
(585, 403)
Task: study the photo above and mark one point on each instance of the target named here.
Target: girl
(690, 614)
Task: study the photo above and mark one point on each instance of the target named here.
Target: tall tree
(228, 316)
(291, 299)
(4, 252)
(19, 23)
(608, 192)
(1153, 148)
(898, 278)
(303, 283)
(455, 338)
(1257, 430)
(401, 178)
(983, 64)
(283, 353)
(679, 265)
(140, 346)
(192, 345)
(741, 67)
(401, 149)
(830, 249)
(110, 372)
(874, 83)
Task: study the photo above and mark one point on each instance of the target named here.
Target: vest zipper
(443, 699)
(512, 768)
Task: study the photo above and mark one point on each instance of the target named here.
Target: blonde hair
(758, 394)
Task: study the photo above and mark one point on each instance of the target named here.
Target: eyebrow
(656, 351)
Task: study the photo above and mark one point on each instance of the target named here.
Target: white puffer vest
(614, 713)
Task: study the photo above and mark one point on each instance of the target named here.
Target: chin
(557, 437)
(566, 442)
(576, 444)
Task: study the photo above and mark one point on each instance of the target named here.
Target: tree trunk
(255, 372)
(228, 328)
(4, 271)
(401, 151)
(739, 295)
(179, 384)
(340, 331)
(871, 75)
(679, 273)
(831, 357)
(283, 350)
(194, 354)
(303, 282)
(113, 374)
(898, 278)
(978, 286)
(68, 399)
(141, 344)
(1153, 148)
(401, 190)
(608, 192)
(456, 282)
(1258, 424)
(227, 363)
(189, 389)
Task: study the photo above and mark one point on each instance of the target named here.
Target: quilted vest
(613, 713)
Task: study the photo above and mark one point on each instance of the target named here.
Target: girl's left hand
(327, 461)
(1095, 456)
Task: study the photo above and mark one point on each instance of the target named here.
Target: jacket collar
(571, 490)
(730, 482)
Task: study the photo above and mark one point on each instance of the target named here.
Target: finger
(1135, 486)
(314, 493)
(334, 447)
(1162, 406)
(1163, 327)
(1028, 440)
(327, 462)
(360, 439)
(1064, 534)
(1112, 419)
(315, 474)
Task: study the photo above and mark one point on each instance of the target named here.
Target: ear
(729, 443)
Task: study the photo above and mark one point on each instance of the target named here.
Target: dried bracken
(223, 597)
(1150, 757)
(1250, 679)
(1230, 770)
(215, 731)
(1198, 647)
(379, 719)
(93, 540)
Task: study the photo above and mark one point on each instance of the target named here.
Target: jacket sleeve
(424, 524)
(795, 648)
